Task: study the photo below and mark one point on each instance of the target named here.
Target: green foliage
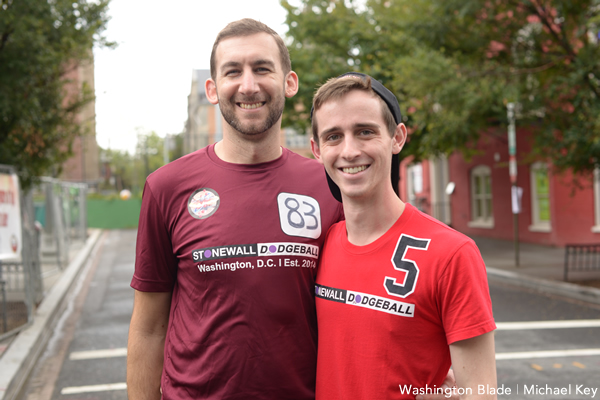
(176, 147)
(455, 64)
(130, 171)
(41, 42)
(150, 149)
(122, 166)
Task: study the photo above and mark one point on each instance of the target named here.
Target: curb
(21, 356)
(566, 289)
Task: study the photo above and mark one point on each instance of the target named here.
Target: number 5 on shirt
(403, 264)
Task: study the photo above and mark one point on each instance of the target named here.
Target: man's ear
(315, 150)
(291, 84)
(399, 138)
(210, 88)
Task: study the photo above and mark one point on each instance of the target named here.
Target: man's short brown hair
(337, 88)
(247, 27)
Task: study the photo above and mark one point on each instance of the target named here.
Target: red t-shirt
(238, 246)
(387, 311)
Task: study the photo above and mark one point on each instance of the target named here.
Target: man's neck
(368, 220)
(239, 149)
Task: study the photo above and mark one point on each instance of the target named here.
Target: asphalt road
(86, 357)
(567, 346)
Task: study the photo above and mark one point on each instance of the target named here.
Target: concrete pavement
(23, 351)
(541, 269)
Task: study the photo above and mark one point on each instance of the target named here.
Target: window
(414, 183)
(540, 198)
(482, 215)
(596, 227)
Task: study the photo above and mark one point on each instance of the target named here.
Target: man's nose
(249, 84)
(351, 147)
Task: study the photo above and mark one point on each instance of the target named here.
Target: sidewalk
(19, 354)
(540, 268)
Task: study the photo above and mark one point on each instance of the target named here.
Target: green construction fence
(113, 213)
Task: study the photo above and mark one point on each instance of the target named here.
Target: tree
(130, 171)
(149, 150)
(41, 41)
(176, 149)
(455, 64)
(122, 165)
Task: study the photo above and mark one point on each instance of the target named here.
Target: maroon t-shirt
(238, 245)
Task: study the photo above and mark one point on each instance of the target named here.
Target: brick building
(474, 197)
(84, 165)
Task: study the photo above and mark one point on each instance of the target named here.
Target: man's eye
(262, 70)
(232, 72)
(366, 132)
(332, 138)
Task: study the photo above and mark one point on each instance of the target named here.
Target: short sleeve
(155, 263)
(463, 295)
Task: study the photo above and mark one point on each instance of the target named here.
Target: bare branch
(515, 71)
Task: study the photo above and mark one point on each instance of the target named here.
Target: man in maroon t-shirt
(228, 242)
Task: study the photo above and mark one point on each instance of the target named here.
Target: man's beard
(228, 110)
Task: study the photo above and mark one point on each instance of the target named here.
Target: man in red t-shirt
(400, 296)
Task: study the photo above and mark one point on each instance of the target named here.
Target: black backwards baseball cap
(392, 102)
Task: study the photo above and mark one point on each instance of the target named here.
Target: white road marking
(575, 323)
(94, 388)
(499, 356)
(88, 355)
(547, 354)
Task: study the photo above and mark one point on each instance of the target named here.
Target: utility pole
(512, 170)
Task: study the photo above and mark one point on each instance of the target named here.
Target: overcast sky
(143, 84)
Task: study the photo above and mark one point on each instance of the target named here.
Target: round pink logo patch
(203, 203)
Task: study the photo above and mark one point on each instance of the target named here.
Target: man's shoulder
(336, 232)
(180, 169)
(443, 243)
(306, 173)
(438, 230)
(301, 161)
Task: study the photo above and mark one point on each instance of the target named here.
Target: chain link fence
(54, 227)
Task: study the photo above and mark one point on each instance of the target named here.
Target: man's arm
(474, 365)
(448, 384)
(145, 347)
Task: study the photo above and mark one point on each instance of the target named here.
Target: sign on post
(512, 144)
(516, 192)
(10, 216)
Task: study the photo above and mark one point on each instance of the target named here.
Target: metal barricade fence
(20, 278)
(53, 219)
(16, 301)
(581, 258)
(64, 218)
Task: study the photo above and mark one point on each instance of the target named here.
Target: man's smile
(354, 170)
(250, 106)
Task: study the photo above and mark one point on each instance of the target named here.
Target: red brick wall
(571, 206)
(84, 165)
